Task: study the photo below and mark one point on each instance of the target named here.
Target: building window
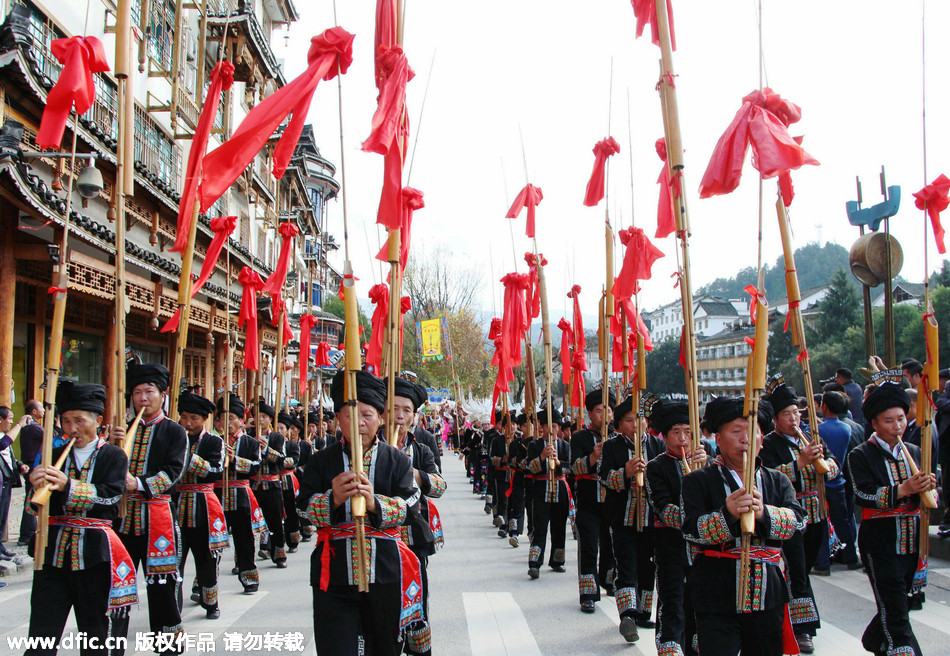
(160, 32)
(155, 149)
(245, 235)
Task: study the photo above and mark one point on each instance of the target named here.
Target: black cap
(285, 419)
(147, 372)
(596, 397)
(369, 390)
(543, 416)
(624, 408)
(884, 397)
(296, 423)
(268, 410)
(313, 417)
(76, 396)
(195, 404)
(409, 390)
(782, 396)
(235, 406)
(521, 419)
(721, 410)
(667, 414)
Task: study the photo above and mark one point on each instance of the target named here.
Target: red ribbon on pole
(411, 201)
(515, 318)
(306, 326)
(645, 12)
(579, 359)
(528, 197)
(322, 356)
(222, 226)
(81, 56)
(567, 338)
(221, 79)
(761, 122)
(331, 53)
(669, 189)
(933, 198)
(275, 283)
(278, 311)
(379, 295)
(637, 262)
(252, 283)
(595, 186)
(533, 292)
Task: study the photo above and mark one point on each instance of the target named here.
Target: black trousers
(676, 622)
(515, 509)
(838, 514)
(500, 486)
(291, 519)
(195, 540)
(801, 553)
(891, 577)
(646, 571)
(595, 554)
(753, 634)
(164, 610)
(272, 505)
(553, 515)
(350, 623)
(239, 521)
(57, 590)
(28, 521)
(529, 503)
(636, 570)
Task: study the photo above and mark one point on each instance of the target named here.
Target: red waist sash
(770, 555)
(903, 510)
(217, 528)
(161, 558)
(270, 478)
(258, 525)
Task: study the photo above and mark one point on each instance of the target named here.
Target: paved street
(484, 604)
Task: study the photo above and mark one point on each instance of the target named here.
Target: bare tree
(440, 283)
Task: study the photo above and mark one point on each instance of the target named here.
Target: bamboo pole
(548, 368)
(353, 365)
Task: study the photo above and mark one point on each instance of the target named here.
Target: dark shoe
(487, 509)
(609, 589)
(305, 538)
(805, 645)
(533, 572)
(23, 543)
(235, 571)
(291, 549)
(250, 589)
(587, 606)
(628, 629)
(646, 623)
(558, 568)
(4, 556)
(281, 564)
(263, 555)
(513, 540)
(914, 602)
(502, 533)
(2, 585)
(196, 597)
(855, 565)
(212, 614)
(820, 572)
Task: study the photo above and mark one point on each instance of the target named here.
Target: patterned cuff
(790, 471)
(535, 466)
(437, 486)
(158, 483)
(242, 465)
(319, 509)
(581, 466)
(833, 469)
(616, 480)
(273, 455)
(713, 529)
(885, 495)
(391, 511)
(289, 463)
(783, 523)
(496, 461)
(80, 496)
(670, 517)
(199, 466)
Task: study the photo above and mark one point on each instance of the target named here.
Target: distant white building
(711, 315)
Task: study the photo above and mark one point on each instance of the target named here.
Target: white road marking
(496, 625)
(832, 640)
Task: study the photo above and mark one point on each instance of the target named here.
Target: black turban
(285, 419)
(766, 415)
(328, 414)
(235, 406)
(75, 396)
(313, 417)
(409, 390)
(263, 408)
(147, 372)
(884, 397)
(543, 416)
(521, 419)
(369, 390)
(667, 414)
(781, 397)
(625, 408)
(499, 415)
(195, 404)
(595, 397)
(721, 410)
(296, 423)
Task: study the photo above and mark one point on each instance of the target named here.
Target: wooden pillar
(8, 227)
(38, 361)
(208, 376)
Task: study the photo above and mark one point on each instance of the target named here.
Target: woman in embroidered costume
(888, 494)
(347, 622)
(149, 530)
(713, 500)
(87, 570)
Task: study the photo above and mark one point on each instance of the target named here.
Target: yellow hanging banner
(432, 339)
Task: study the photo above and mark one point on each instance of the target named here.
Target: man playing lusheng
(347, 622)
(713, 500)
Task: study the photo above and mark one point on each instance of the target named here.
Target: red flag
(933, 198)
(222, 226)
(379, 295)
(529, 197)
(275, 283)
(637, 262)
(306, 326)
(252, 283)
(595, 186)
(763, 122)
(579, 359)
(331, 53)
(221, 79)
(411, 201)
(323, 355)
(81, 56)
(645, 12)
(500, 359)
(515, 318)
(567, 338)
(669, 189)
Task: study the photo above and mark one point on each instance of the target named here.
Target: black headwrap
(147, 372)
(625, 407)
(781, 397)
(766, 416)
(313, 417)
(75, 396)
(596, 397)
(521, 419)
(721, 410)
(667, 414)
(409, 390)
(884, 397)
(369, 390)
(195, 404)
(268, 410)
(285, 419)
(543, 416)
(235, 406)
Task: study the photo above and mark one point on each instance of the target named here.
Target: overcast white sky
(544, 66)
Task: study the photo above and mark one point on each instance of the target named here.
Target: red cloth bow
(221, 79)
(637, 262)
(411, 201)
(669, 189)
(379, 295)
(533, 293)
(306, 326)
(251, 282)
(515, 318)
(529, 197)
(933, 198)
(275, 283)
(501, 360)
(763, 122)
(331, 53)
(278, 312)
(385, 32)
(222, 226)
(579, 360)
(645, 12)
(322, 356)
(567, 339)
(595, 186)
(81, 56)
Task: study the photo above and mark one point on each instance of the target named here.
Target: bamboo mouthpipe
(820, 464)
(42, 494)
(928, 499)
(130, 434)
